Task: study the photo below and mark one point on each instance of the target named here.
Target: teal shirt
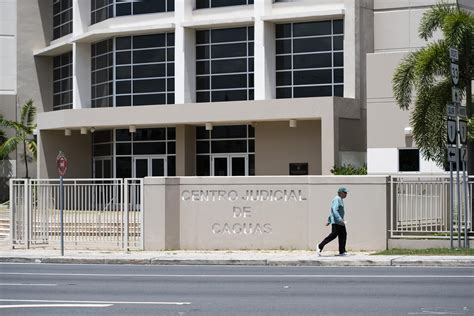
(337, 211)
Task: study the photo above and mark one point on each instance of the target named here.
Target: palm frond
(403, 80)
(28, 114)
(471, 128)
(432, 62)
(433, 19)
(11, 124)
(457, 28)
(428, 120)
(9, 146)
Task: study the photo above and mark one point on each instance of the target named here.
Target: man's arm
(335, 210)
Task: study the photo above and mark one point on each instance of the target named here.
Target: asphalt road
(58, 289)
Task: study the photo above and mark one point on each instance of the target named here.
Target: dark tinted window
(307, 63)
(220, 74)
(408, 160)
(203, 4)
(62, 18)
(62, 82)
(104, 9)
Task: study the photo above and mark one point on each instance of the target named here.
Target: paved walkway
(269, 258)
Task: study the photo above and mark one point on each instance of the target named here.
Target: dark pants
(337, 231)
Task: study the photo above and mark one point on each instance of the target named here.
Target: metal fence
(97, 213)
(420, 207)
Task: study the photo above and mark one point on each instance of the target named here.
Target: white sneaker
(318, 250)
(344, 254)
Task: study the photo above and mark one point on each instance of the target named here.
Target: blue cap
(342, 189)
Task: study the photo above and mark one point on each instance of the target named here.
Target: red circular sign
(61, 164)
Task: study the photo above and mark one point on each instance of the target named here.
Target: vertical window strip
(62, 78)
(100, 12)
(62, 18)
(167, 62)
(292, 70)
(111, 72)
(211, 60)
(107, 69)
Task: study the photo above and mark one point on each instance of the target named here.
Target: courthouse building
(212, 87)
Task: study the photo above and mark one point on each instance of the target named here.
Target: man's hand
(327, 224)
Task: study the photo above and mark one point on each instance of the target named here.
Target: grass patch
(427, 252)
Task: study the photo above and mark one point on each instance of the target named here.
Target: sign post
(61, 164)
(457, 151)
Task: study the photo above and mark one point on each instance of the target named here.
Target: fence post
(26, 214)
(392, 215)
(12, 203)
(142, 224)
(125, 210)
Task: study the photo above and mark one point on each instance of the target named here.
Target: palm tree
(426, 73)
(2, 135)
(23, 133)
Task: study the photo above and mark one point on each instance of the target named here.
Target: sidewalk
(231, 257)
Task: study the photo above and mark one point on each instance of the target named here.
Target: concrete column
(81, 75)
(185, 150)
(161, 214)
(154, 209)
(81, 12)
(185, 55)
(264, 52)
(351, 49)
(329, 143)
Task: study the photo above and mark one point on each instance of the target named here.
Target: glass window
(203, 4)
(409, 159)
(310, 59)
(222, 140)
(102, 74)
(226, 56)
(101, 10)
(62, 82)
(62, 18)
(144, 143)
(104, 9)
(143, 69)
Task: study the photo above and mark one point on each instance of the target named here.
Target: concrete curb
(326, 262)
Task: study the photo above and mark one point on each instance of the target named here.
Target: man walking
(336, 219)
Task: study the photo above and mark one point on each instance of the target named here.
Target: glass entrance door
(149, 167)
(229, 165)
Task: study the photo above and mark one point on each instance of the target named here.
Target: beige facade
(322, 122)
(352, 129)
(388, 127)
(8, 86)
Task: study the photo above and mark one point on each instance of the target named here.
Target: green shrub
(346, 170)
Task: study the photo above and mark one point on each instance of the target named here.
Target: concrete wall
(277, 145)
(76, 148)
(8, 47)
(8, 50)
(261, 212)
(385, 136)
